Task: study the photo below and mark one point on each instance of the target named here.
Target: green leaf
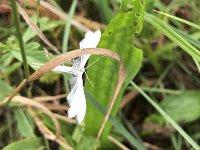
(33, 54)
(6, 89)
(24, 144)
(86, 143)
(188, 103)
(24, 126)
(104, 73)
(118, 125)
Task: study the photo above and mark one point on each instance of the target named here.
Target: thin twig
(120, 145)
(49, 98)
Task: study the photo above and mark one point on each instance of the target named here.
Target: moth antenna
(95, 61)
(89, 79)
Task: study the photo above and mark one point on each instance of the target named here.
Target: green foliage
(174, 69)
(49, 78)
(184, 107)
(25, 144)
(106, 12)
(33, 53)
(118, 125)
(24, 125)
(86, 143)
(167, 117)
(171, 34)
(118, 37)
(45, 24)
(5, 89)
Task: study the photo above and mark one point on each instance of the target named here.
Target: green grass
(161, 88)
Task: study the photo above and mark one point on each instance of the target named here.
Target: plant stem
(19, 35)
(66, 38)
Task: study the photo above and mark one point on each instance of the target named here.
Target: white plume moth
(76, 98)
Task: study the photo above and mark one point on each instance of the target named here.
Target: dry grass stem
(64, 118)
(36, 29)
(121, 77)
(30, 102)
(120, 145)
(56, 107)
(63, 16)
(47, 133)
(49, 98)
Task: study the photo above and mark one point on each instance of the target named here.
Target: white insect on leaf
(76, 98)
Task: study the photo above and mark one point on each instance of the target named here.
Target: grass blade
(68, 26)
(180, 20)
(171, 34)
(66, 38)
(167, 117)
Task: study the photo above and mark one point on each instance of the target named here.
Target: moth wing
(76, 99)
(61, 69)
(91, 40)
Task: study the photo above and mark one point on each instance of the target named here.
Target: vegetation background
(158, 105)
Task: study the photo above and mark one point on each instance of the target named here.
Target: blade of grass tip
(180, 19)
(66, 38)
(19, 35)
(167, 117)
(197, 64)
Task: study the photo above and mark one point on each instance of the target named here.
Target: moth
(76, 98)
